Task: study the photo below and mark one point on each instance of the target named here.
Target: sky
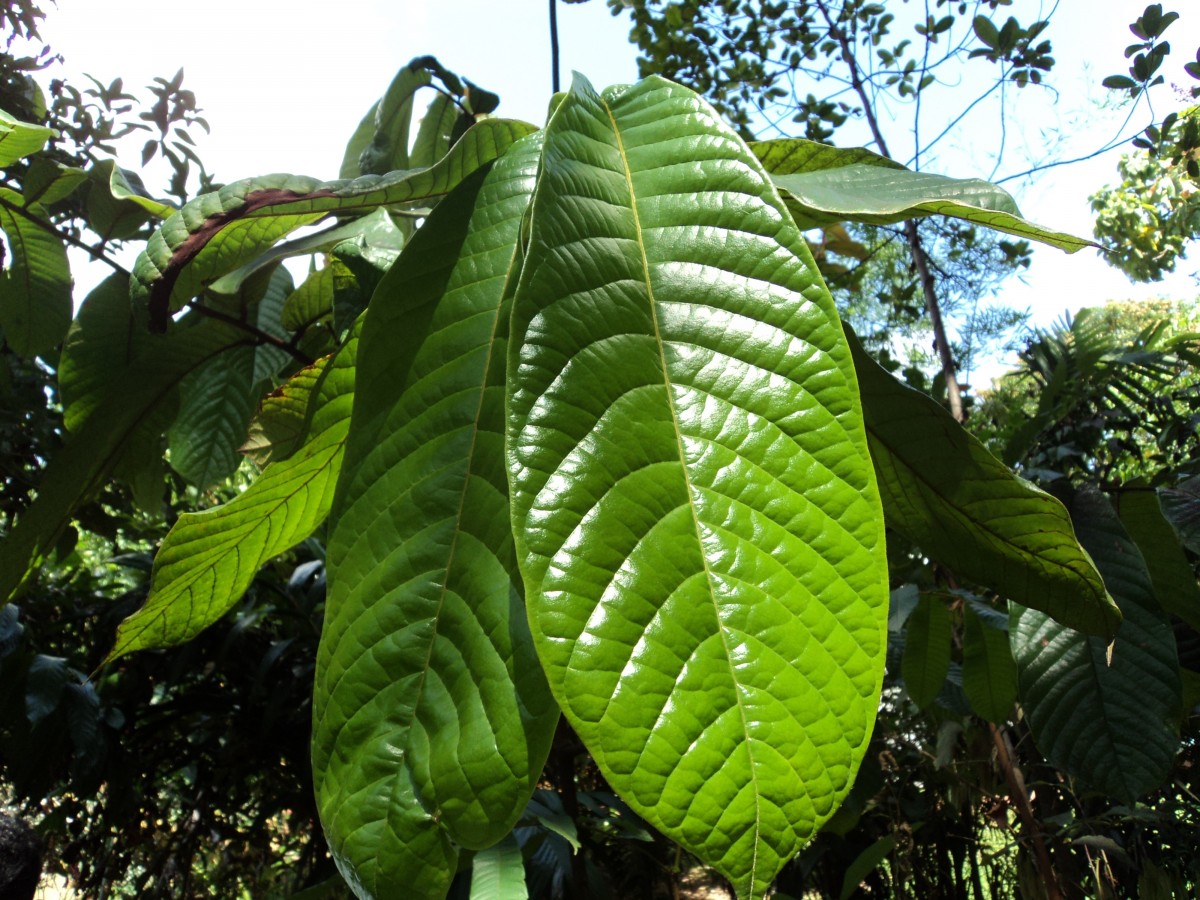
(283, 84)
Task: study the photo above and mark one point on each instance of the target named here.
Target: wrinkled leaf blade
(944, 491)
(431, 715)
(217, 233)
(1114, 727)
(694, 508)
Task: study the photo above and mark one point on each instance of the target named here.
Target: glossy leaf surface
(217, 233)
(209, 558)
(823, 185)
(431, 714)
(1113, 726)
(694, 507)
(944, 491)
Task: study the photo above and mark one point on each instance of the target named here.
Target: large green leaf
(90, 455)
(697, 520)
(1113, 726)
(946, 493)
(431, 716)
(1175, 583)
(20, 139)
(35, 286)
(217, 233)
(823, 185)
(209, 558)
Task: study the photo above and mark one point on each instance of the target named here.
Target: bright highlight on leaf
(693, 504)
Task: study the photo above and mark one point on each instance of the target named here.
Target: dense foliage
(566, 421)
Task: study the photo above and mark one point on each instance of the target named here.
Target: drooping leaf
(209, 558)
(116, 214)
(946, 493)
(864, 864)
(693, 503)
(823, 185)
(989, 673)
(20, 139)
(926, 657)
(381, 142)
(1174, 582)
(1115, 727)
(498, 873)
(217, 233)
(35, 286)
(90, 455)
(431, 714)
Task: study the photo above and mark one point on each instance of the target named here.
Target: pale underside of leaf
(696, 517)
(877, 192)
(431, 716)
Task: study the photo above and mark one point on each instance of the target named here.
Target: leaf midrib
(677, 431)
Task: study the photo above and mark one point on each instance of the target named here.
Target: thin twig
(920, 260)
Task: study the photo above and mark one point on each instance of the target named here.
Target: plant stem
(920, 258)
(554, 82)
(1020, 796)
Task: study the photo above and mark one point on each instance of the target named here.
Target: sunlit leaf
(693, 502)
